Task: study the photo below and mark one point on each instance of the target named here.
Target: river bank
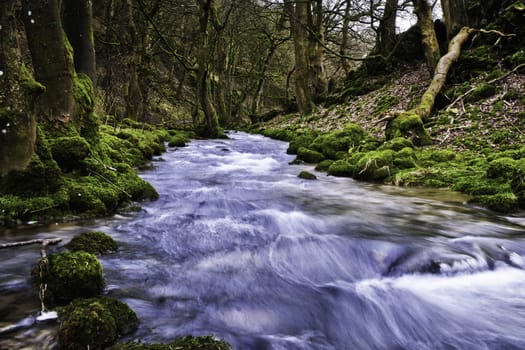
(474, 141)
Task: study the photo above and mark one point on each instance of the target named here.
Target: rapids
(240, 247)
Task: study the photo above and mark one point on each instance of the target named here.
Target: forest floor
(465, 123)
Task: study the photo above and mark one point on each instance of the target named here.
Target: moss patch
(184, 343)
(306, 175)
(69, 276)
(408, 125)
(94, 242)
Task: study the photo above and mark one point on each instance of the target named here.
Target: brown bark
(317, 71)
(203, 73)
(387, 28)
(454, 15)
(428, 35)
(52, 59)
(78, 24)
(299, 19)
(17, 120)
(345, 63)
(134, 101)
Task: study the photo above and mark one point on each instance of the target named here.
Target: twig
(43, 242)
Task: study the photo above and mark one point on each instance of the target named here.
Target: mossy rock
(70, 275)
(126, 320)
(375, 165)
(91, 327)
(278, 134)
(396, 144)
(306, 175)
(501, 167)
(94, 242)
(324, 165)
(177, 141)
(518, 182)
(69, 152)
(309, 156)
(437, 155)
(303, 140)
(341, 168)
(410, 126)
(505, 202)
(405, 158)
(183, 343)
(335, 145)
(481, 92)
(39, 178)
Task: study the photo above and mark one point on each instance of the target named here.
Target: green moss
(405, 158)
(301, 140)
(91, 326)
(408, 125)
(69, 152)
(94, 242)
(336, 144)
(481, 92)
(306, 175)
(177, 141)
(278, 134)
(375, 165)
(125, 318)
(13, 208)
(396, 144)
(341, 168)
(324, 165)
(518, 182)
(505, 202)
(501, 167)
(69, 276)
(437, 155)
(28, 83)
(184, 343)
(309, 156)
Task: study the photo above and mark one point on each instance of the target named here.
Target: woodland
(410, 93)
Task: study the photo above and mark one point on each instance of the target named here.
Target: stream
(238, 246)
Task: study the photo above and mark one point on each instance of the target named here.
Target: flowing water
(240, 247)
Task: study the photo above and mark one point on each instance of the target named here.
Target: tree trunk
(52, 59)
(203, 74)
(428, 35)
(441, 72)
(317, 72)
(454, 15)
(17, 120)
(387, 28)
(78, 25)
(345, 63)
(298, 21)
(134, 101)
(410, 123)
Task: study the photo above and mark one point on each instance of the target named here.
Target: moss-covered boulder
(324, 165)
(405, 158)
(335, 145)
(177, 141)
(95, 323)
(341, 168)
(69, 151)
(70, 275)
(518, 182)
(309, 156)
(301, 140)
(408, 125)
(94, 242)
(306, 175)
(396, 144)
(501, 167)
(480, 92)
(184, 343)
(375, 165)
(504, 202)
(88, 327)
